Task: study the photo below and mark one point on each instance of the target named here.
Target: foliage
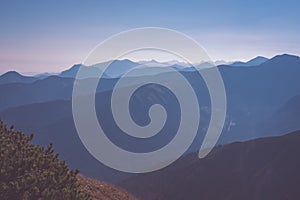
(30, 171)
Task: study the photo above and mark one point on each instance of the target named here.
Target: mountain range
(117, 68)
(262, 101)
(15, 77)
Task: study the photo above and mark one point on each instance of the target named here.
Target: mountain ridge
(253, 62)
(15, 77)
(72, 71)
(264, 168)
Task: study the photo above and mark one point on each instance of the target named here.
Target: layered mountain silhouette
(255, 96)
(259, 169)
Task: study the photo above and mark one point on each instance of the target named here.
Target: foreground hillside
(261, 169)
(30, 171)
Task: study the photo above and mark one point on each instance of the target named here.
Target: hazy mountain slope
(72, 72)
(254, 93)
(285, 119)
(48, 89)
(260, 169)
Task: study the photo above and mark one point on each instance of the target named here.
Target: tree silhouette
(30, 171)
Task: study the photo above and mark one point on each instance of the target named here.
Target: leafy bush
(30, 171)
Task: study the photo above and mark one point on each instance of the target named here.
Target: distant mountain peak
(15, 77)
(253, 62)
(257, 61)
(261, 58)
(12, 73)
(71, 72)
(284, 59)
(285, 56)
(76, 66)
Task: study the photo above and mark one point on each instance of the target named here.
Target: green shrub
(30, 171)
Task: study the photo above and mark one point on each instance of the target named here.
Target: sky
(49, 36)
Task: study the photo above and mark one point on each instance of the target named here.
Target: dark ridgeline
(260, 169)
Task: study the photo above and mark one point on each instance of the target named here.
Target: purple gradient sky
(40, 36)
